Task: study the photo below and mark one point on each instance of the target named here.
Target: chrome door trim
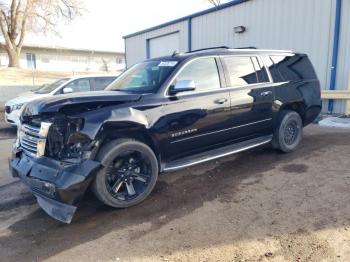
(219, 131)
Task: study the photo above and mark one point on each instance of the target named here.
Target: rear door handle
(220, 101)
(266, 93)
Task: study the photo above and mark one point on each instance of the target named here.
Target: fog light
(40, 147)
(49, 188)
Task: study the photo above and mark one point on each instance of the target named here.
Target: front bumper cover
(57, 186)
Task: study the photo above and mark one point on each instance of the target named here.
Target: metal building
(319, 28)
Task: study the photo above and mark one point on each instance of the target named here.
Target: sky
(105, 22)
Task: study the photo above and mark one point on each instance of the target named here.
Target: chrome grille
(29, 139)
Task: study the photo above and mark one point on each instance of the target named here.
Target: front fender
(97, 121)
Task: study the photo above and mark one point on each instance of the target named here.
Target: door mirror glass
(182, 86)
(67, 90)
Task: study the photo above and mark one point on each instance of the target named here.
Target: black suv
(162, 115)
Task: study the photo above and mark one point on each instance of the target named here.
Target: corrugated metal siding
(303, 26)
(344, 54)
(136, 50)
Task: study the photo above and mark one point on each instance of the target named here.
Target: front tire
(129, 173)
(289, 132)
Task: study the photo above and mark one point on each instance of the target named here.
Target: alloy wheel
(128, 175)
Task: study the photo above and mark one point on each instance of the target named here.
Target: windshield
(45, 89)
(146, 77)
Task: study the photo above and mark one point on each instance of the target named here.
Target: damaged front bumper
(58, 186)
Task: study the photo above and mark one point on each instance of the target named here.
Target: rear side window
(290, 68)
(102, 82)
(243, 70)
(79, 85)
(204, 73)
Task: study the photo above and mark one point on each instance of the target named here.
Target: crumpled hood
(55, 103)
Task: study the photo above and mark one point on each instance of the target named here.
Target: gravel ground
(260, 205)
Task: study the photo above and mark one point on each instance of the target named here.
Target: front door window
(204, 73)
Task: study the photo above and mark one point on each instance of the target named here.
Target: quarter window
(204, 73)
(101, 83)
(272, 64)
(290, 68)
(241, 70)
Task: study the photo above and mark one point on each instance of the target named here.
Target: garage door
(164, 45)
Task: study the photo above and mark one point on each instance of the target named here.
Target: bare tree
(215, 2)
(17, 17)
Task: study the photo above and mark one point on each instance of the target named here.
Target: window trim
(219, 67)
(262, 63)
(250, 56)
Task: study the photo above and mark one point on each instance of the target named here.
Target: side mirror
(67, 90)
(182, 86)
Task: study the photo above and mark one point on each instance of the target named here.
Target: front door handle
(266, 93)
(220, 101)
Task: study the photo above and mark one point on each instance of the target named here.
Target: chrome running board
(216, 153)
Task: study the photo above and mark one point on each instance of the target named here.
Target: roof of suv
(220, 51)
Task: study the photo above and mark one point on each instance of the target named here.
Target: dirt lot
(257, 206)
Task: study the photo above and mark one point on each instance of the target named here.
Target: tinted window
(203, 72)
(241, 70)
(291, 68)
(274, 71)
(79, 85)
(102, 82)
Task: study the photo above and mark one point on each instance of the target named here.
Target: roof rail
(246, 47)
(209, 48)
(175, 53)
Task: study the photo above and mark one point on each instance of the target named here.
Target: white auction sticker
(168, 63)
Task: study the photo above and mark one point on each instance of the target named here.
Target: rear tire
(289, 131)
(129, 173)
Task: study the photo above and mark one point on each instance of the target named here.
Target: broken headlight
(65, 139)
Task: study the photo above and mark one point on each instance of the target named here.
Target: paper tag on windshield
(168, 63)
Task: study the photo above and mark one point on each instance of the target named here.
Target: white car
(62, 86)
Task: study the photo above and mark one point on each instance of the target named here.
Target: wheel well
(297, 107)
(133, 133)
